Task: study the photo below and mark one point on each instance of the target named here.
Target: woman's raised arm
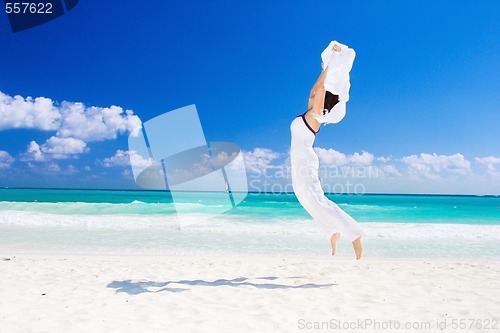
(317, 96)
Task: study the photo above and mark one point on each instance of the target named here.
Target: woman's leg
(333, 242)
(358, 247)
(332, 219)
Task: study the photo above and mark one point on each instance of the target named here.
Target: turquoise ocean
(145, 222)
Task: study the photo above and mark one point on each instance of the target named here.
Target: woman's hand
(336, 48)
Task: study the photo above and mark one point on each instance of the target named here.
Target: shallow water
(145, 222)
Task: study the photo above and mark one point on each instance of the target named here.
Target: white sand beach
(232, 293)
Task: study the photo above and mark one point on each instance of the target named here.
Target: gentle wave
(255, 207)
(134, 207)
(221, 223)
(37, 232)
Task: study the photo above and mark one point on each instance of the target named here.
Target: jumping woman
(324, 106)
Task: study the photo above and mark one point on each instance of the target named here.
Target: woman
(304, 161)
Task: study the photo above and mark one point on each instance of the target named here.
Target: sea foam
(163, 234)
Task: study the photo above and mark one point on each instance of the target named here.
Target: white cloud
(71, 170)
(224, 158)
(54, 148)
(410, 174)
(491, 163)
(61, 148)
(390, 170)
(127, 174)
(33, 153)
(332, 157)
(384, 159)
(69, 119)
(364, 158)
(5, 160)
(53, 167)
(432, 166)
(125, 158)
(74, 123)
(18, 112)
(121, 158)
(259, 159)
(414, 173)
(95, 123)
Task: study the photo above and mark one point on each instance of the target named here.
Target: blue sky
(423, 109)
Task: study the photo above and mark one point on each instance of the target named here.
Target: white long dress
(306, 185)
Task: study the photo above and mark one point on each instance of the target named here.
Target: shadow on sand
(134, 288)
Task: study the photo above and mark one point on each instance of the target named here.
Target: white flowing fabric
(337, 79)
(306, 185)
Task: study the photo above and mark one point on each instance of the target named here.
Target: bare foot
(333, 242)
(358, 247)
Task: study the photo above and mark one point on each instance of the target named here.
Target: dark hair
(330, 100)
